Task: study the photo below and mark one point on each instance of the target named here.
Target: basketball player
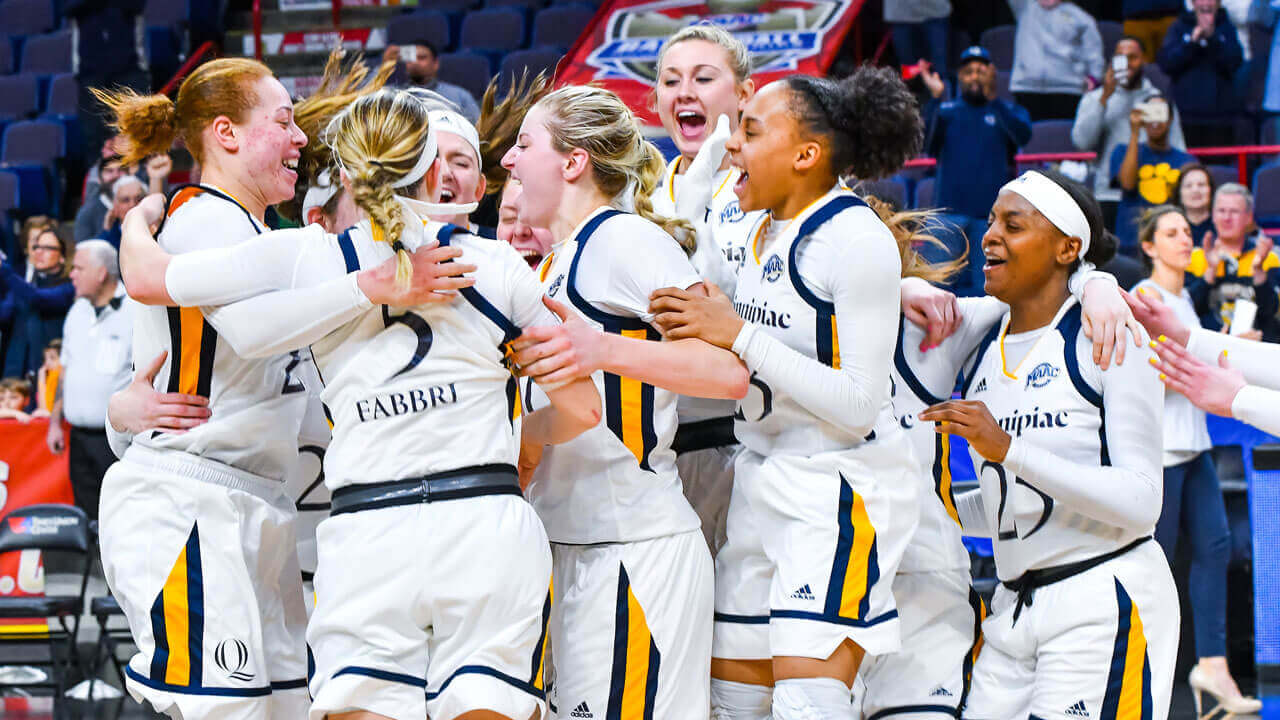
(824, 499)
(391, 379)
(631, 622)
(1070, 482)
(532, 243)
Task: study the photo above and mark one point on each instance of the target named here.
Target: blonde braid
(650, 173)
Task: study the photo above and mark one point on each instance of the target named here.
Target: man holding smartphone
(421, 66)
(1102, 120)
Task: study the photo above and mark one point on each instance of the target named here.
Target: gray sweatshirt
(915, 11)
(1101, 129)
(1054, 50)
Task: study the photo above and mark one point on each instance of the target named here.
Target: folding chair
(50, 529)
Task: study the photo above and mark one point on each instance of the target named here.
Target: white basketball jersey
(616, 482)
(772, 294)
(1052, 399)
(422, 390)
(257, 406)
(305, 481)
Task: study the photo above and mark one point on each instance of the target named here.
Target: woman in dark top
(32, 311)
(1194, 194)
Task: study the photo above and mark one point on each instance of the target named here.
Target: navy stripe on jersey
(824, 326)
(904, 369)
(1070, 327)
(571, 286)
(510, 331)
(486, 232)
(348, 251)
(978, 354)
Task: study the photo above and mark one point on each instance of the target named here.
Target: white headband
(452, 122)
(424, 162)
(319, 194)
(1055, 204)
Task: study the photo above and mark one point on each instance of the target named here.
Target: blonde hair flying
(624, 165)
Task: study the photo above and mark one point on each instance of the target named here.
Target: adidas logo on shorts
(941, 692)
(582, 711)
(804, 593)
(1078, 710)
(982, 385)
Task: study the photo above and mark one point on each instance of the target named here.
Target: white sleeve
(525, 292)
(118, 441)
(627, 262)
(972, 514)
(861, 274)
(1259, 407)
(278, 292)
(1259, 361)
(1128, 492)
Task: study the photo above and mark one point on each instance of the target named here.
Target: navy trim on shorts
(382, 675)
(484, 670)
(904, 709)
(741, 619)
(834, 619)
(196, 690)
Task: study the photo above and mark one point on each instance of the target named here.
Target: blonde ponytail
(911, 230)
(651, 171)
(378, 140)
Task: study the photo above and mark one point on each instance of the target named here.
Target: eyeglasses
(50, 248)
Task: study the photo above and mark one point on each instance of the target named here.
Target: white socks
(812, 699)
(739, 701)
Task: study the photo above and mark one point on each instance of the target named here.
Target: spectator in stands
(36, 307)
(1057, 56)
(1147, 21)
(1201, 53)
(422, 72)
(126, 193)
(108, 53)
(15, 397)
(1236, 262)
(92, 217)
(1145, 172)
(48, 376)
(921, 31)
(31, 229)
(97, 356)
(1194, 194)
(975, 139)
(1193, 504)
(158, 168)
(1102, 119)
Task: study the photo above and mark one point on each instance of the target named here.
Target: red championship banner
(619, 49)
(29, 475)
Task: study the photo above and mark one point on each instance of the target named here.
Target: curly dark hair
(870, 119)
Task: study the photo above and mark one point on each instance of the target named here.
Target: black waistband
(703, 435)
(89, 430)
(468, 482)
(1038, 578)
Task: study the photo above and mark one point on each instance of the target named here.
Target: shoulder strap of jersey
(179, 195)
(609, 320)
(904, 369)
(978, 354)
(486, 232)
(510, 331)
(827, 340)
(1070, 327)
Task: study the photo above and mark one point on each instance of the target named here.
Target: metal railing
(202, 53)
(1240, 152)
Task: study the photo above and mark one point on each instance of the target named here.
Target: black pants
(1049, 106)
(88, 456)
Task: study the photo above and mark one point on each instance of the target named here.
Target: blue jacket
(1202, 71)
(975, 146)
(37, 309)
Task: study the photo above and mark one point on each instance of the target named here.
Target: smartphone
(408, 53)
(1154, 112)
(1120, 67)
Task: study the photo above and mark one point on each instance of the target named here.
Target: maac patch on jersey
(772, 268)
(555, 284)
(1042, 375)
(732, 213)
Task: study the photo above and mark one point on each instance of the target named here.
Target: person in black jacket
(108, 53)
(34, 309)
(1201, 53)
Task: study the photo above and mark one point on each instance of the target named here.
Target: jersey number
(766, 400)
(291, 384)
(420, 329)
(1009, 530)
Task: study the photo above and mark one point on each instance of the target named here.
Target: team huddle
(673, 442)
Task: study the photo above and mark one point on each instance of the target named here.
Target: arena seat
(924, 193)
(469, 70)
(559, 27)
(47, 54)
(493, 33)
(18, 98)
(533, 60)
(999, 42)
(27, 17)
(434, 26)
(1266, 195)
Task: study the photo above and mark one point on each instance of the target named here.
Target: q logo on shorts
(232, 656)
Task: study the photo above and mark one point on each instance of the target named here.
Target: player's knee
(812, 699)
(739, 701)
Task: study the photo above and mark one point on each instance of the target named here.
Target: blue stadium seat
(924, 193)
(32, 150)
(64, 95)
(571, 3)
(469, 70)
(1048, 136)
(1111, 32)
(533, 61)
(434, 26)
(560, 26)
(47, 54)
(6, 55)
(169, 13)
(18, 98)
(493, 33)
(1152, 72)
(1266, 195)
(1223, 174)
(27, 17)
(890, 190)
(999, 42)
